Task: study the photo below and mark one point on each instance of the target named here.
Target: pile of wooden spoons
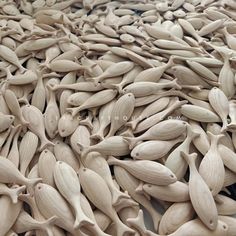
(116, 112)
